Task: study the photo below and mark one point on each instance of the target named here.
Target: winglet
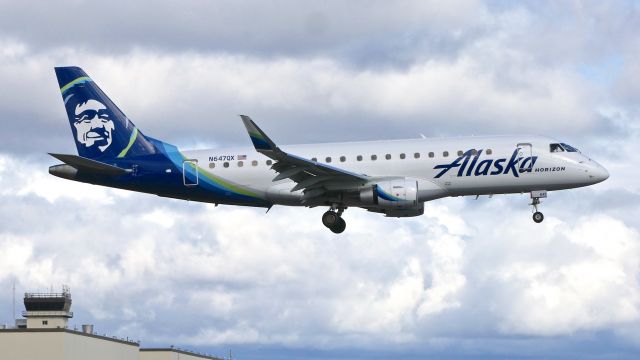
(260, 140)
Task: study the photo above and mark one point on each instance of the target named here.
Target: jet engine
(391, 194)
(399, 197)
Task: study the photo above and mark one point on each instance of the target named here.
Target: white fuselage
(536, 167)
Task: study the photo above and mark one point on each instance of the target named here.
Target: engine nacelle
(400, 197)
(391, 194)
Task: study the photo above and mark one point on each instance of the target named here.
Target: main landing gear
(333, 220)
(535, 201)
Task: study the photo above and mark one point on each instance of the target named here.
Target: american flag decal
(242, 157)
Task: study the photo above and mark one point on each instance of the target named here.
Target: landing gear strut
(535, 201)
(333, 220)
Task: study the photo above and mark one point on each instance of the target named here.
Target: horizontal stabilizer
(92, 166)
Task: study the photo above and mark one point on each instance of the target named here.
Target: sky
(469, 279)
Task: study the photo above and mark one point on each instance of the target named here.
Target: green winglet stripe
(256, 134)
(132, 139)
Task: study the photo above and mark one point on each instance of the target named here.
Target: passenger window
(555, 148)
(445, 153)
(314, 159)
(254, 163)
(474, 152)
(460, 153)
(416, 155)
(388, 156)
(212, 165)
(431, 154)
(269, 162)
(489, 152)
(225, 164)
(328, 159)
(402, 156)
(240, 163)
(374, 157)
(343, 159)
(359, 158)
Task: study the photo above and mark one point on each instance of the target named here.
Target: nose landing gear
(535, 201)
(333, 220)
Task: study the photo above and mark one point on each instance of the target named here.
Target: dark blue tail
(100, 129)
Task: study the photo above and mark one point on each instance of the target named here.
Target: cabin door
(525, 153)
(190, 172)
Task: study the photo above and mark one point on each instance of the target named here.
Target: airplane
(394, 178)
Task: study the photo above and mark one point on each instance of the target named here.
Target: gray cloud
(175, 272)
(469, 277)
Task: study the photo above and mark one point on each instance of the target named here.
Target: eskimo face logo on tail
(93, 125)
(469, 165)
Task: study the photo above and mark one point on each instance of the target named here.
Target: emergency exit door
(190, 172)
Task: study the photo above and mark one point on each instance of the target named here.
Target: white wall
(167, 355)
(62, 345)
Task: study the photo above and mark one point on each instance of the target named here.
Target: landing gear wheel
(330, 219)
(538, 217)
(339, 226)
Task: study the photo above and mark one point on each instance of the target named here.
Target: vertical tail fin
(101, 130)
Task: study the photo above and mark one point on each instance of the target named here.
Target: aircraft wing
(312, 177)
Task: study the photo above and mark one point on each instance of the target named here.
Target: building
(46, 335)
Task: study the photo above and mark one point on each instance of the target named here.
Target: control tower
(48, 310)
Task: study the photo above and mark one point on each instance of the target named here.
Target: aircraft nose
(598, 173)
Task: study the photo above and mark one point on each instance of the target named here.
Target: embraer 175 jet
(394, 178)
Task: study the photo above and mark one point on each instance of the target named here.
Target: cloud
(263, 29)
(237, 281)
(208, 91)
(469, 277)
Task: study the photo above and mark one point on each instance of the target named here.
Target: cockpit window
(554, 148)
(569, 148)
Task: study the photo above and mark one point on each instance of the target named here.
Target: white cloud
(303, 285)
(169, 271)
(558, 292)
